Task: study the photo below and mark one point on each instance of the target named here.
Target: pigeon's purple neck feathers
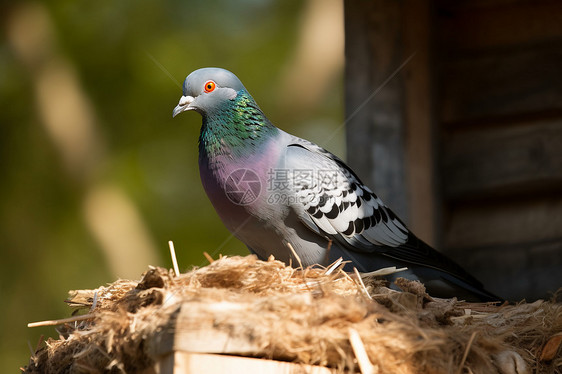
(236, 128)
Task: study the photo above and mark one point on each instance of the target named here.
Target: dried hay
(304, 316)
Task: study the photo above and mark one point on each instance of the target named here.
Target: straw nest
(310, 316)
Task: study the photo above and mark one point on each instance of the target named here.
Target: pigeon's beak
(183, 105)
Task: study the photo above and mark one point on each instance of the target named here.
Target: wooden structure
(465, 141)
(242, 315)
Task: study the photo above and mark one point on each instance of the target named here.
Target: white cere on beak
(183, 105)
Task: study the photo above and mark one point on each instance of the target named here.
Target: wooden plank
(504, 223)
(192, 329)
(514, 247)
(196, 363)
(529, 270)
(519, 159)
(500, 83)
(488, 26)
(375, 126)
(477, 4)
(419, 121)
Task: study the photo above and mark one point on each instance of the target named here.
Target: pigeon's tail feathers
(466, 291)
(417, 252)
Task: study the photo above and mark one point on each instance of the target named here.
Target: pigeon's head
(206, 90)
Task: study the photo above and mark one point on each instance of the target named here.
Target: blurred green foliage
(129, 57)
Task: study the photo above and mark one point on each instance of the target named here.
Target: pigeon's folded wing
(332, 201)
(336, 203)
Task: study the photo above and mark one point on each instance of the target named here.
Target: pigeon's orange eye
(210, 86)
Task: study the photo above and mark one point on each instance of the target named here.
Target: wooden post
(390, 139)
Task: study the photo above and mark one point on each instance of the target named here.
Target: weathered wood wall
(471, 128)
(499, 85)
(374, 125)
(387, 71)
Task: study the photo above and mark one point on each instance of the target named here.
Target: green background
(96, 176)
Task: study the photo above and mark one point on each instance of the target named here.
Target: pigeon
(288, 197)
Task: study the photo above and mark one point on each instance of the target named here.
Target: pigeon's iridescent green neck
(236, 128)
